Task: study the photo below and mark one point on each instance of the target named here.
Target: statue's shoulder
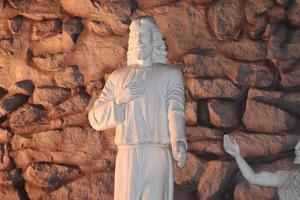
(170, 69)
(119, 71)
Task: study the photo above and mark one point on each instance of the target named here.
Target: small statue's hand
(231, 148)
(180, 154)
(130, 92)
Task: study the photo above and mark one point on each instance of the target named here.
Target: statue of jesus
(145, 101)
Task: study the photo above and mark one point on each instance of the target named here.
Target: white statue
(145, 101)
(287, 182)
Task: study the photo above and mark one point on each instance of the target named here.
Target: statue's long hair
(159, 53)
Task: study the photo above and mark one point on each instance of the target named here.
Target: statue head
(145, 45)
(297, 152)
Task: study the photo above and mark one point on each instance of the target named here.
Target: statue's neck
(148, 62)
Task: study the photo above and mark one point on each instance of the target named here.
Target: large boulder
(261, 117)
(50, 177)
(288, 101)
(50, 96)
(216, 88)
(14, 69)
(263, 145)
(96, 55)
(38, 10)
(225, 18)
(216, 178)
(114, 15)
(224, 114)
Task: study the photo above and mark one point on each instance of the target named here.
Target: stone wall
(241, 61)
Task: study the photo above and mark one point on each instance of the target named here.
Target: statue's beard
(297, 160)
(143, 55)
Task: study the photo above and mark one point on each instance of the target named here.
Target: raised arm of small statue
(270, 179)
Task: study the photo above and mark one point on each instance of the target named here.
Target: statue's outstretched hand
(231, 148)
(130, 92)
(180, 153)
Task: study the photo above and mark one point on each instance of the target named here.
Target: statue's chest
(154, 80)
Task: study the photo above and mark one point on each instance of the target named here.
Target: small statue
(287, 182)
(145, 101)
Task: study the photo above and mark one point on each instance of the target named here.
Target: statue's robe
(289, 184)
(146, 129)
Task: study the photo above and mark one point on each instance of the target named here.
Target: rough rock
(215, 178)
(216, 88)
(210, 147)
(203, 115)
(261, 117)
(5, 162)
(50, 177)
(199, 66)
(183, 28)
(186, 192)
(50, 62)
(263, 145)
(73, 105)
(191, 172)
(255, 75)
(290, 80)
(50, 96)
(86, 163)
(115, 15)
(97, 27)
(96, 55)
(246, 191)
(10, 103)
(191, 113)
(70, 77)
(194, 133)
(16, 24)
(84, 148)
(10, 178)
(261, 6)
(13, 70)
(283, 47)
(225, 18)
(259, 28)
(19, 44)
(26, 114)
(22, 87)
(293, 13)
(5, 30)
(5, 136)
(46, 28)
(277, 14)
(9, 193)
(74, 27)
(60, 43)
(144, 4)
(38, 10)
(92, 187)
(288, 101)
(224, 113)
(246, 50)
(216, 66)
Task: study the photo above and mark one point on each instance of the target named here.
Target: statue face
(297, 152)
(141, 39)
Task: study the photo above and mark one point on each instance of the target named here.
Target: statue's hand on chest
(130, 92)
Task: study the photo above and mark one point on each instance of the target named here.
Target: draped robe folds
(155, 120)
(289, 186)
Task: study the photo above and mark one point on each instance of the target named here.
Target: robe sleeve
(176, 108)
(106, 113)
